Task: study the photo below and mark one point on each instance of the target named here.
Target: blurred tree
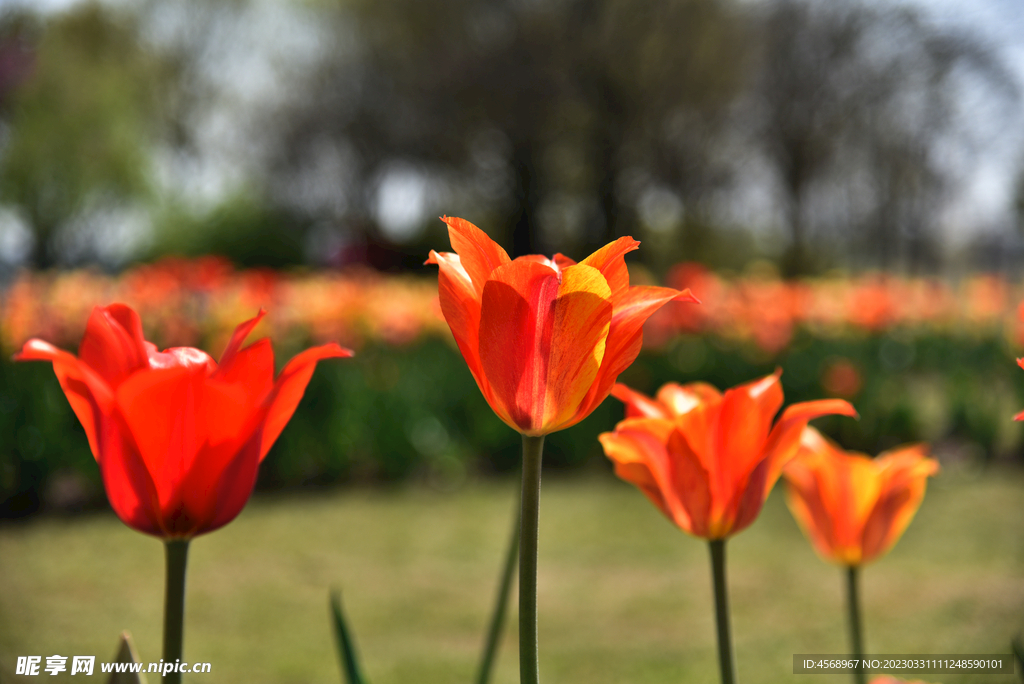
(81, 125)
(857, 105)
(549, 120)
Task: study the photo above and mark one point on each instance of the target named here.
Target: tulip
(854, 508)
(177, 436)
(708, 460)
(1020, 362)
(545, 340)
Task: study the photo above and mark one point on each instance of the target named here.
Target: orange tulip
(852, 507)
(545, 339)
(707, 459)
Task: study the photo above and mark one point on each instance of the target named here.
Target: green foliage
(240, 228)
(397, 413)
(82, 124)
(346, 644)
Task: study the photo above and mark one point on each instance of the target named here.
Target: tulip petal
(89, 395)
(582, 318)
(289, 388)
(128, 483)
(478, 253)
(113, 345)
(691, 483)
(242, 330)
(460, 304)
(639, 405)
(640, 458)
(515, 339)
(651, 454)
(625, 336)
(784, 438)
(903, 478)
(563, 261)
(744, 424)
(808, 504)
(160, 433)
(251, 368)
(610, 260)
(679, 399)
(217, 487)
(542, 341)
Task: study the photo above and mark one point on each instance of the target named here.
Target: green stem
(174, 605)
(856, 633)
(501, 603)
(529, 664)
(725, 659)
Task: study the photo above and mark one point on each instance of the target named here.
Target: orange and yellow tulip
(707, 460)
(853, 508)
(545, 339)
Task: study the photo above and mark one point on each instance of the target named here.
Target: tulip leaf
(1018, 653)
(346, 645)
(126, 653)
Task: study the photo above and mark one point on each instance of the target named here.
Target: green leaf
(1018, 652)
(126, 654)
(346, 646)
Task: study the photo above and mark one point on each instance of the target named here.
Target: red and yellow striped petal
(611, 262)
(625, 335)
(542, 342)
(478, 254)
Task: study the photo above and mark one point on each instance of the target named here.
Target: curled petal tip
(687, 296)
(35, 350)
(1020, 362)
(336, 351)
(1019, 416)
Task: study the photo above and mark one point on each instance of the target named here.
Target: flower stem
(500, 603)
(856, 635)
(725, 660)
(174, 605)
(529, 664)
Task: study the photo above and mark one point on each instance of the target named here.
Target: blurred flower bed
(921, 359)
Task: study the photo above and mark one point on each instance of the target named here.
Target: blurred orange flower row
(765, 310)
(190, 302)
(193, 301)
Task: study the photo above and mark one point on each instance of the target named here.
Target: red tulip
(178, 437)
(545, 339)
(852, 507)
(706, 459)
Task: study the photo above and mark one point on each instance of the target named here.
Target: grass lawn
(623, 595)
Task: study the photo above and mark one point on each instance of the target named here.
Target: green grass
(623, 596)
